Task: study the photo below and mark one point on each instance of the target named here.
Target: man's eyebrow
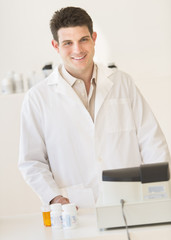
(87, 36)
(66, 41)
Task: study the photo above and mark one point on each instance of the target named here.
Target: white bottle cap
(70, 207)
(56, 207)
(45, 208)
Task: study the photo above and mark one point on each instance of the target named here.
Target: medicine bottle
(46, 215)
(31, 79)
(56, 215)
(7, 83)
(18, 83)
(69, 216)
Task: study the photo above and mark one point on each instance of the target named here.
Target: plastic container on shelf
(18, 83)
(7, 84)
(31, 80)
(47, 69)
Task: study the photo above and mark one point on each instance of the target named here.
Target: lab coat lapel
(61, 86)
(104, 85)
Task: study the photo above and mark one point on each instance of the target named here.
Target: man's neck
(85, 76)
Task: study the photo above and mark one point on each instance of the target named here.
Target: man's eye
(84, 39)
(67, 43)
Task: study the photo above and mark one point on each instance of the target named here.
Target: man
(82, 119)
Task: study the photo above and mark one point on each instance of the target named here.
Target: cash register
(135, 196)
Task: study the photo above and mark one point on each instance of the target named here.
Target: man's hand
(60, 199)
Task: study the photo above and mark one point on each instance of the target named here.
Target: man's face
(76, 48)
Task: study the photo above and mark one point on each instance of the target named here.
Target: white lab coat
(63, 151)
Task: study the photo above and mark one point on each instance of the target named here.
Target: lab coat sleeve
(152, 143)
(33, 158)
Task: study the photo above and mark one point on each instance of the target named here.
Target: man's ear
(55, 44)
(94, 36)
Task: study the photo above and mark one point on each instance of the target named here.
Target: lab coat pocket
(81, 196)
(119, 115)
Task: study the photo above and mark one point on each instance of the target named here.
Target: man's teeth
(78, 58)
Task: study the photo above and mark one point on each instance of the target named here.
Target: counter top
(30, 227)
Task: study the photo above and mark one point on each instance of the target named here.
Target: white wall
(135, 34)
(16, 196)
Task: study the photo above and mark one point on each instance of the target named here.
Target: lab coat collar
(103, 85)
(61, 86)
(56, 78)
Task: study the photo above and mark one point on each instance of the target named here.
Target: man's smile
(79, 58)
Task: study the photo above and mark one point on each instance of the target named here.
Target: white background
(135, 34)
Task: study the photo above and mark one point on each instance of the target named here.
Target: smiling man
(82, 119)
(76, 48)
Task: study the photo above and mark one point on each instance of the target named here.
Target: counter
(30, 227)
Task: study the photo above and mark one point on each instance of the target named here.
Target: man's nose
(77, 48)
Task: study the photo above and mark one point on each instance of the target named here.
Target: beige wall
(135, 34)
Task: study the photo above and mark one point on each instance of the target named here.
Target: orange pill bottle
(46, 215)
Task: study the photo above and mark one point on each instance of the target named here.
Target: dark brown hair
(70, 17)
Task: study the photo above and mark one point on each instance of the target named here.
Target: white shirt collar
(71, 80)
